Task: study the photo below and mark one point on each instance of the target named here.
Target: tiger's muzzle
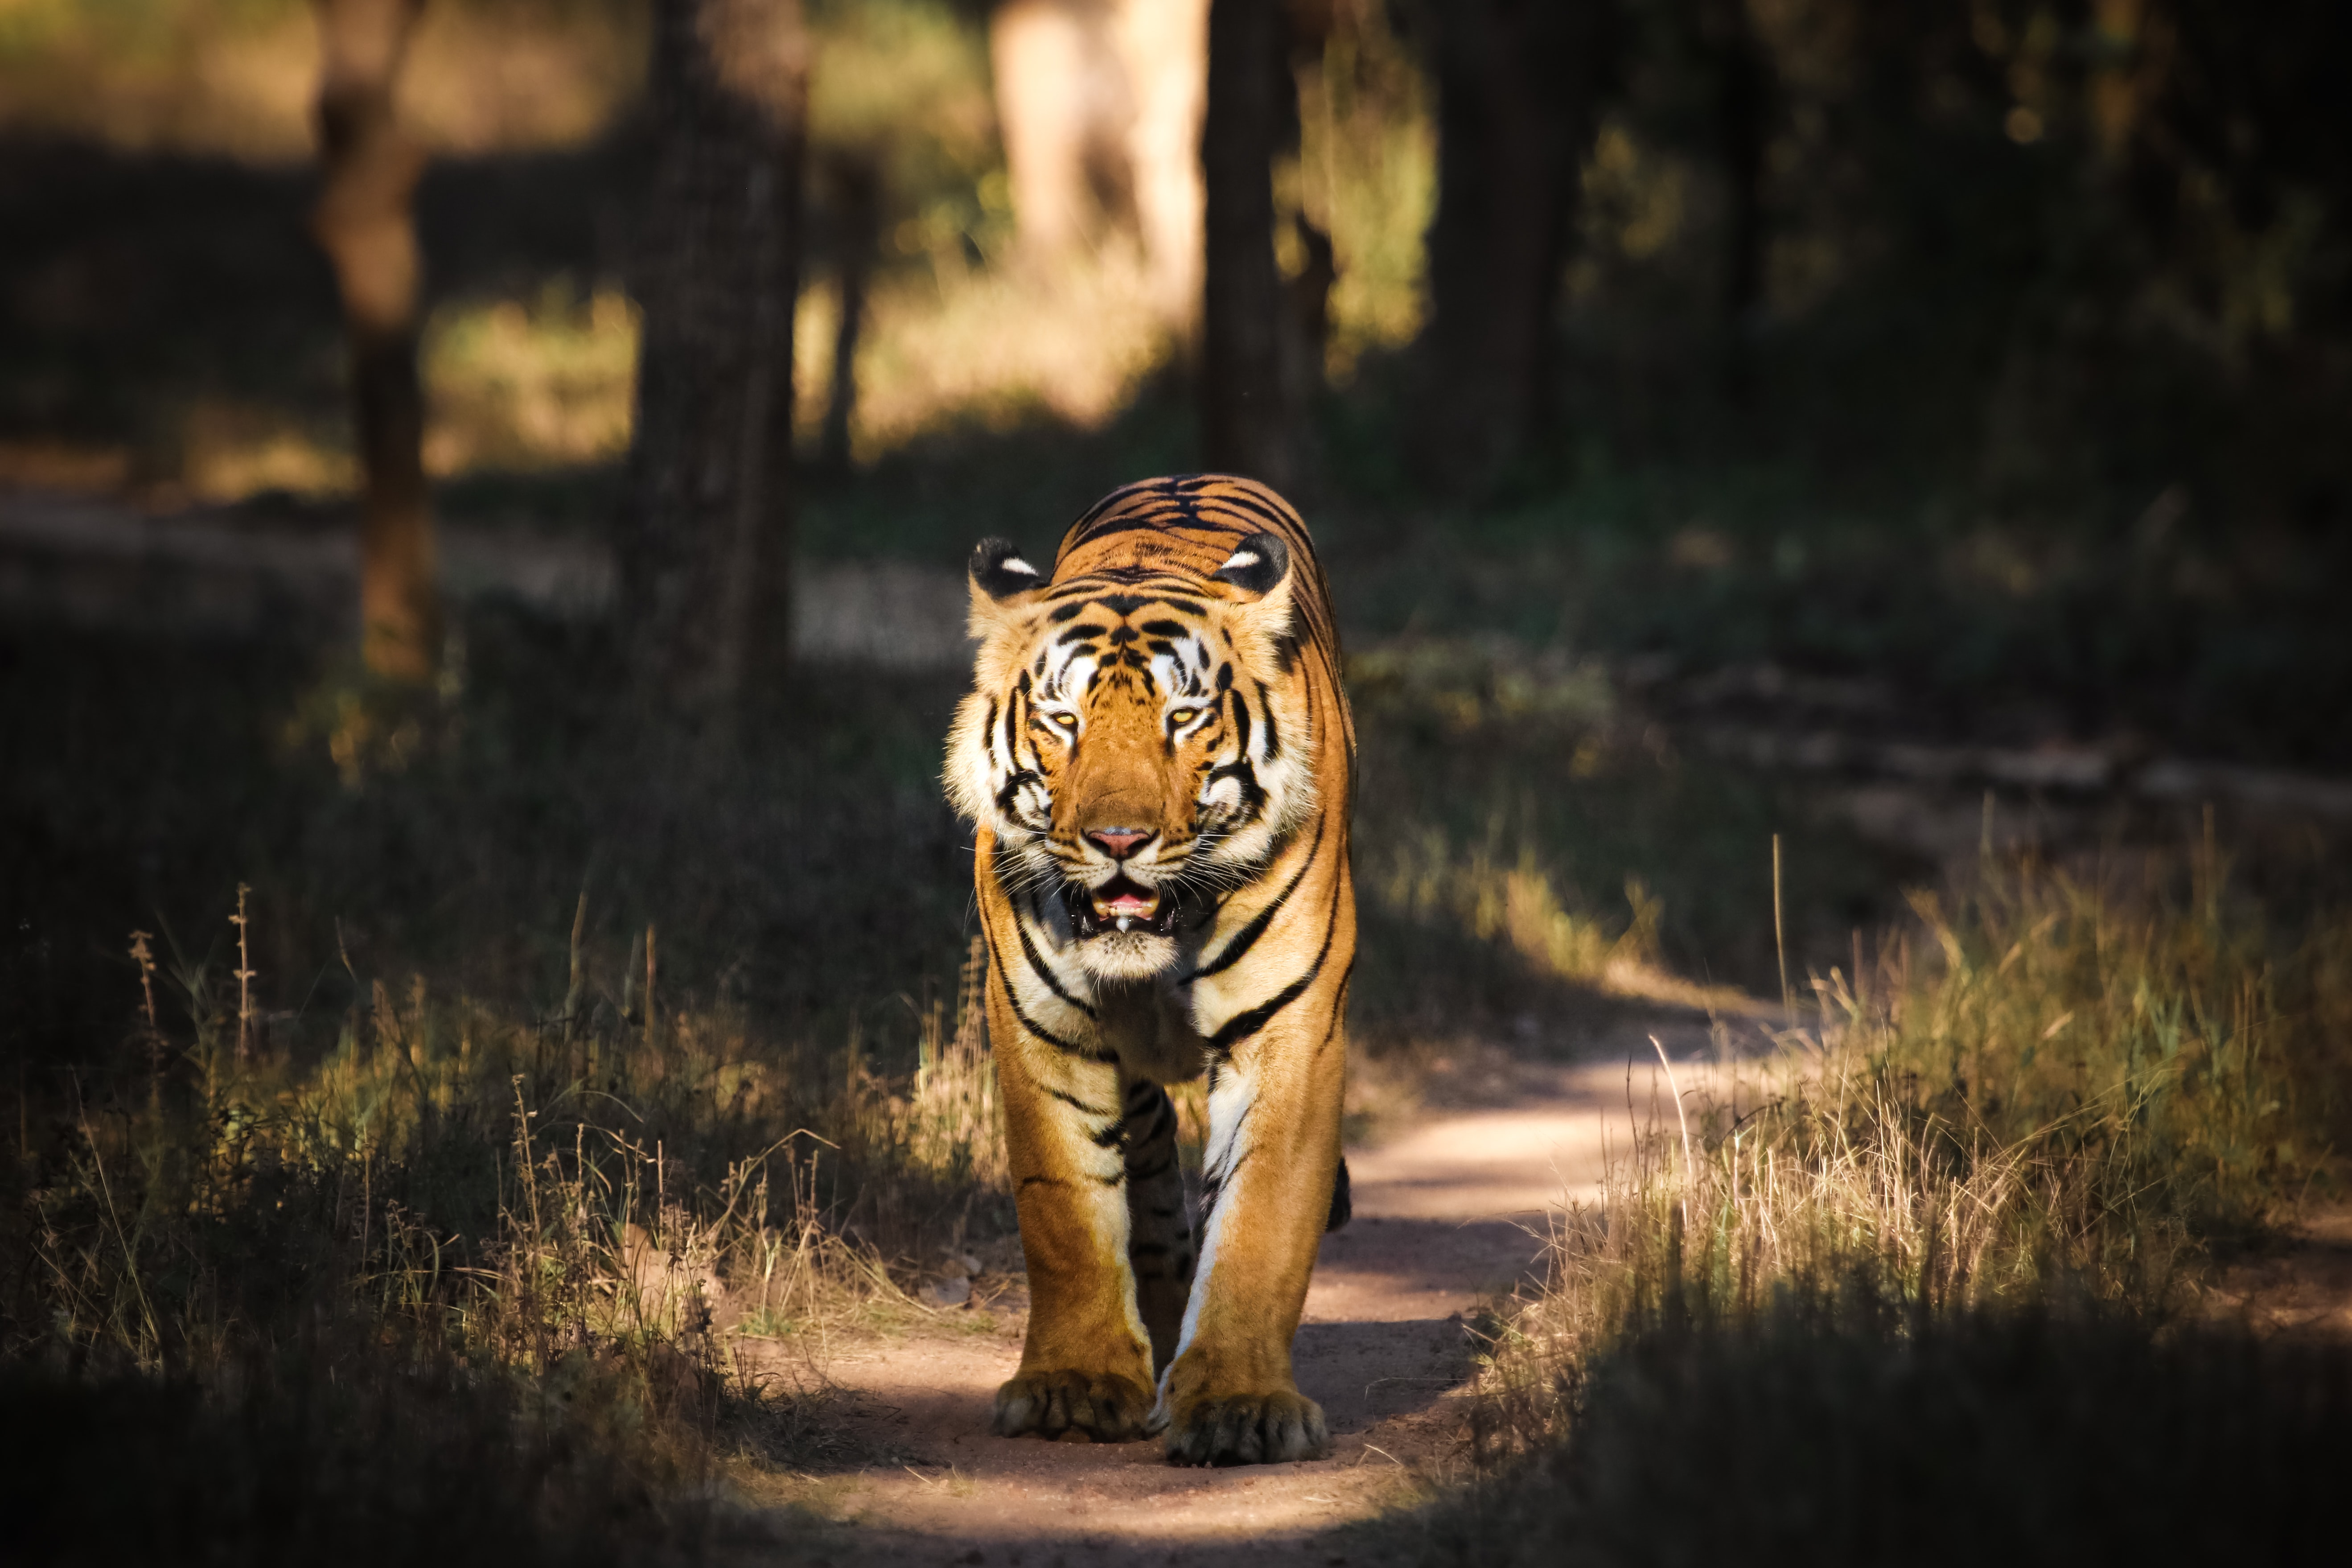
(1123, 905)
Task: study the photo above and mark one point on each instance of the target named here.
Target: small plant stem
(649, 982)
(245, 972)
(130, 1258)
(1690, 1171)
(143, 956)
(1780, 933)
(571, 992)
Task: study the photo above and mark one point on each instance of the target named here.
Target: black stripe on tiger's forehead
(1204, 502)
(1174, 531)
(1081, 593)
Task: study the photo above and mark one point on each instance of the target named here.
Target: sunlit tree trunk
(1063, 107)
(1518, 97)
(706, 547)
(1099, 102)
(1164, 46)
(364, 221)
(1246, 420)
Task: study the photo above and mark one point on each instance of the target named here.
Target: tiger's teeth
(1125, 923)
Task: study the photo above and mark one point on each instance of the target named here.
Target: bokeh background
(1906, 430)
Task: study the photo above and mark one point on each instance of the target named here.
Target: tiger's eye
(1067, 720)
(1183, 716)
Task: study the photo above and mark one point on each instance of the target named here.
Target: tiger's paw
(1105, 1408)
(1249, 1429)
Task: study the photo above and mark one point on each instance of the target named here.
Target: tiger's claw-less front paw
(1107, 1408)
(1249, 1429)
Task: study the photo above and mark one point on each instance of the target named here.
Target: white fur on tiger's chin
(1127, 955)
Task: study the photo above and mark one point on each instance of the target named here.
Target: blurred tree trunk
(1062, 104)
(364, 222)
(1246, 420)
(1741, 91)
(1099, 102)
(1520, 85)
(706, 542)
(856, 192)
(1306, 319)
(1163, 48)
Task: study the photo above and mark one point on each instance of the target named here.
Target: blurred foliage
(906, 83)
(2021, 266)
(236, 77)
(1366, 175)
(2045, 261)
(516, 388)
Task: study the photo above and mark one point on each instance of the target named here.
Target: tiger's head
(1134, 746)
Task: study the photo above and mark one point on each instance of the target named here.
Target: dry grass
(1504, 887)
(2012, 1147)
(578, 1218)
(517, 1188)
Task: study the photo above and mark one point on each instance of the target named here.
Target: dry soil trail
(1449, 1212)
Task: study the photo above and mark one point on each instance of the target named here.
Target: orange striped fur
(1160, 761)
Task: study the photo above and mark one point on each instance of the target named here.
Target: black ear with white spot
(999, 571)
(1257, 564)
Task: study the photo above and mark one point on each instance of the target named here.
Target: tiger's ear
(1257, 565)
(1000, 582)
(1260, 568)
(998, 571)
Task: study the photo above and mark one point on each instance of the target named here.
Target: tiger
(1159, 761)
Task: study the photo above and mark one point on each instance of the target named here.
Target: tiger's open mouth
(1121, 904)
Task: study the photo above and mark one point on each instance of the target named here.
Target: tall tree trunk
(364, 222)
(1740, 88)
(1246, 420)
(1307, 315)
(706, 547)
(1063, 105)
(1163, 49)
(1519, 84)
(1099, 104)
(857, 211)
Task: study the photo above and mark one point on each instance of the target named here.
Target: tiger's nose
(1118, 843)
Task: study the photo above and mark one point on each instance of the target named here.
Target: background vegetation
(1976, 368)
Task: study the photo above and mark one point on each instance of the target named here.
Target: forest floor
(1452, 1209)
(1453, 1200)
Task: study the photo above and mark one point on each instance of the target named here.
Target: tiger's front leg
(1086, 1365)
(1229, 1397)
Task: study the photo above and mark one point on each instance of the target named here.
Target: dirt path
(1448, 1213)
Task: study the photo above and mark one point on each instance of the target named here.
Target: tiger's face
(1134, 748)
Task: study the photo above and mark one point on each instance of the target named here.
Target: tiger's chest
(1149, 1025)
